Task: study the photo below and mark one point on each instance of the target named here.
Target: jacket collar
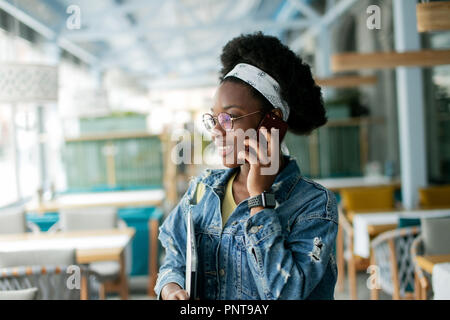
(281, 187)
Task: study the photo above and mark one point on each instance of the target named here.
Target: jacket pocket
(247, 284)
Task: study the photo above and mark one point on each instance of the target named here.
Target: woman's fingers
(178, 295)
(268, 138)
(182, 295)
(259, 149)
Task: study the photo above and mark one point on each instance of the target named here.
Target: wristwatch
(265, 200)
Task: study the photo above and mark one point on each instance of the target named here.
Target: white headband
(262, 82)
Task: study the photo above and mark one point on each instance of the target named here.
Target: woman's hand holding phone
(259, 156)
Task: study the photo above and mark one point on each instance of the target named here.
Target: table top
(385, 217)
(99, 199)
(334, 184)
(364, 222)
(90, 245)
(427, 262)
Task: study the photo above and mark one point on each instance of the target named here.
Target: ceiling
(166, 43)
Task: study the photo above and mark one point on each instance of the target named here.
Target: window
(8, 182)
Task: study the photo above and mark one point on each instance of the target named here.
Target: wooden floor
(138, 290)
(363, 292)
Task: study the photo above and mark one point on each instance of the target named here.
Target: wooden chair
(40, 275)
(422, 279)
(370, 199)
(433, 240)
(391, 253)
(434, 197)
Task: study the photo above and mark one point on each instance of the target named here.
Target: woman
(282, 248)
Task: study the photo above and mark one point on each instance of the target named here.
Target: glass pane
(8, 185)
(28, 149)
(437, 81)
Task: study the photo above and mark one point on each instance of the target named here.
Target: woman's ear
(278, 112)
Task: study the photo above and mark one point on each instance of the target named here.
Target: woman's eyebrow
(232, 106)
(228, 107)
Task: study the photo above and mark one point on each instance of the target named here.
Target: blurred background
(95, 95)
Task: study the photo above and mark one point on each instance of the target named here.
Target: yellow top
(228, 204)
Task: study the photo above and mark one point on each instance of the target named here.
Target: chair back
(423, 279)
(22, 294)
(46, 270)
(93, 218)
(368, 198)
(12, 220)
(434, 197)
(436, 235)
(61, 257)
(391, 252)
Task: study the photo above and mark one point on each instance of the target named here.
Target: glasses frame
(216, 119)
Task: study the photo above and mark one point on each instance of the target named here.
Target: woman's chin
(229, 161)
(230, 165)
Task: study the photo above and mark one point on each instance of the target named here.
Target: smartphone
(270, 121)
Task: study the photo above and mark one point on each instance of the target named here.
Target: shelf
(443, 117)
(383, 60)
(346, 81)
(433, 16)
(356, 121)
(111, 136)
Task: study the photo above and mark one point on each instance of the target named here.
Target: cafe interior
(97, 96)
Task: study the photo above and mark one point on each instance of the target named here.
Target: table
(335, 184)
(428, 263)
(90, 245)
(441, 280)
(362, 222)
(116, 199)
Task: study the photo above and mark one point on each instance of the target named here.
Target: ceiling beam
(95, 17)
(382, 60)
(305, 9)
(92, 35)
(325, 21)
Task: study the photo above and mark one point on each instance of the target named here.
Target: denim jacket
(283, 253)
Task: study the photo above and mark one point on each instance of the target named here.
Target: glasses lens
(208, 122)
(225, 120)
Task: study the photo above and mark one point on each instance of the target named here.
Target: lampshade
(21, 82)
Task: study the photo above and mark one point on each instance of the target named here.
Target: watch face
(268, 200)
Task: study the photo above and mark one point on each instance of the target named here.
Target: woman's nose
(218, 130)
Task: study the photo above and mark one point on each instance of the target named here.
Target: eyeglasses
(225, 120)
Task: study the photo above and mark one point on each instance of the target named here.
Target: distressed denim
(283, 253)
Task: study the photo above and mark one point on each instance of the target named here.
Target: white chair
(93, 218)
(110, 273)
(23, 294)
(13, 220)
(436, 235)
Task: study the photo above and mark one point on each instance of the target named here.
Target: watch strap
(265, 200)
